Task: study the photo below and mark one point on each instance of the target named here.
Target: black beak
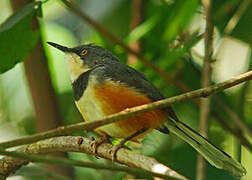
(62, 48)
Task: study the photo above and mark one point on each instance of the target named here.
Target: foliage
(18, 37)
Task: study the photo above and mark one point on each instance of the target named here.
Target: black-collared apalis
(103, 85)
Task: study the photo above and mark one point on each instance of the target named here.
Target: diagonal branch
(65, 130)
(146, 166)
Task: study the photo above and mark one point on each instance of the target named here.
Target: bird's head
(83, 58)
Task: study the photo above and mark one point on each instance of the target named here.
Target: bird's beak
(62, 48)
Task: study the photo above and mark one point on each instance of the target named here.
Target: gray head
(83, 58)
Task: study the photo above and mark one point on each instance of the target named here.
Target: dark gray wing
(121, 73)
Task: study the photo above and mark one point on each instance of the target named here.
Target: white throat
(75, 66)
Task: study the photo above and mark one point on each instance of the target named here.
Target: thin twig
(245, 142)
(137, 7)
(148, 63)
(205, 81)
(65, 130)
(146, 166)
(236, 17)
(235, 118)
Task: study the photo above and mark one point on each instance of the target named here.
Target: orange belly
(114, 98)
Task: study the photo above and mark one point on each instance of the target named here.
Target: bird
(103, 85)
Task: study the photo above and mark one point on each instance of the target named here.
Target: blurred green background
(166, 32)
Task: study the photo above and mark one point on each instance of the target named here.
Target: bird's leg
(123, 141)
(97, 142)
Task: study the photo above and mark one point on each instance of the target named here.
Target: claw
(113, 152)
(92, 138)
(80, 141)
(97, 142)
(116, 148)
(123, 141)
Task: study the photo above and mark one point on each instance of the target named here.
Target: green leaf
(18, 37)
(141, 30)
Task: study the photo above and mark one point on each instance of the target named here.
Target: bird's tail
(211, 153)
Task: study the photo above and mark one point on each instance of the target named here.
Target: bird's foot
(115, 149)
(97, 142)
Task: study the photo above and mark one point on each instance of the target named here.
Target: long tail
(211, 153)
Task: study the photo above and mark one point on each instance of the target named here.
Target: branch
(205, 81)
(130, 112)
(145, 61)
(146, 166)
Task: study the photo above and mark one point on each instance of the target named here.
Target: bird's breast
(101, 100)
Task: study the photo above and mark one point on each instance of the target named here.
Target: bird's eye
(84, 52)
